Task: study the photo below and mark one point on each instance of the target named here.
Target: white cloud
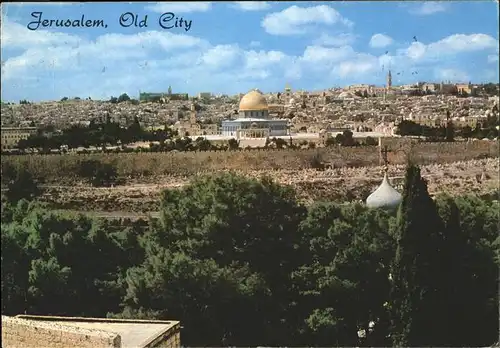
(429, 8)
(255, 44)
(326, 55)
(380, 40)
(493, 58)
(463, 43)
(451, 75)
(54, 51)
(150, 40)
(251, 5)
(16, 35)
(180, 7)
(293, 71)
(343, 39)
(221, 56)
(298, 20)
(416, 50)
(44, 3)
(262, 59)
(450, 45)
(360, 66)
(116, 63)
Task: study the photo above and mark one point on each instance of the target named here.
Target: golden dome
(253, 101)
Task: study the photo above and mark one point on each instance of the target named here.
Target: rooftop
(133, 333)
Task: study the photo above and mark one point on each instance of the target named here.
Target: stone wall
(23, 333)
(171, 339)
(64, 169)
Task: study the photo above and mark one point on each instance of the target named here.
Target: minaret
(389, 80)
(192, 118)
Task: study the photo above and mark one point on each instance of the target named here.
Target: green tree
(330, 141)
(371, 141)
(472, 229)
(63, 264)
(418, 303)
(233, 144)
(202, 144)
(343, 250)
(223, 245)
(135, 131)
(20, 183)
(98, 173)
(123, 97)
(466, 132)
(348, 138)
(450, 130)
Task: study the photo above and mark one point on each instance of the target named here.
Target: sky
(232, 47)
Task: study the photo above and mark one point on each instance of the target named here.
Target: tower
(192, 118)
(389, 80)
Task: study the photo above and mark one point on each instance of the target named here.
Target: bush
(371, 141)
(99, 174)
(316, 161)
(20, 183)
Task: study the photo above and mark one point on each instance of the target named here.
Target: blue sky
(232, 47)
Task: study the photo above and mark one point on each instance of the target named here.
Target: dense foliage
(487, 130)
(239, 262)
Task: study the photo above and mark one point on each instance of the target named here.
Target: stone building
(61, 332)
(10, 136)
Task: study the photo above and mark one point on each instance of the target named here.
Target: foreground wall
(31, 333)
(171, 339)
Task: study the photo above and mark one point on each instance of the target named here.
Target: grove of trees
(488, 130)
(240, 262)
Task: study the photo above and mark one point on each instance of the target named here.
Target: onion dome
(385, 196)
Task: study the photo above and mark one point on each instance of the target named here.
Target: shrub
(98, 173)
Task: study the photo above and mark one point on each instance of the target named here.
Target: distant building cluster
(11, 136)
(366, 110)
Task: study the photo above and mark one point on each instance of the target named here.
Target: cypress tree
(417, 307)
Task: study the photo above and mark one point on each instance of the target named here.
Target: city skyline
(229, 48)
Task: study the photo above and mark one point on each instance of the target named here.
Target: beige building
(361, 88)
(29, 331)
(204, 95)
(464, 88)
(10, 136)
(190, 126)
(429, 87)
(461, 122)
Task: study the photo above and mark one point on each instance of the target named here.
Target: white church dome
(385, 196)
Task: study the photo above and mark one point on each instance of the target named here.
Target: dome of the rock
(253, 101)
